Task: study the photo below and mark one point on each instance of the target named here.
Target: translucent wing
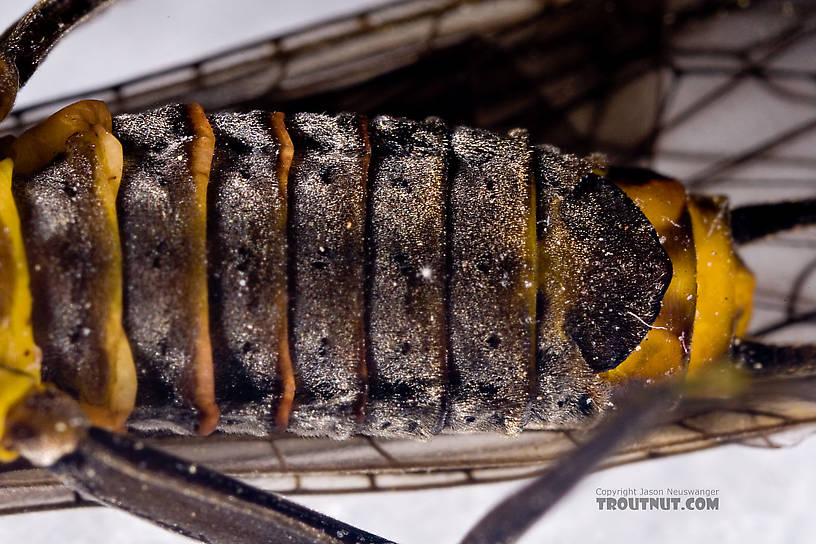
(294, 465)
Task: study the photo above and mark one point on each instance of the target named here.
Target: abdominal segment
(331, 275)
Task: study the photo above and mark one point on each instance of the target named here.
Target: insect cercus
(745, 184)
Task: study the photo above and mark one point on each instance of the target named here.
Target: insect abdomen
(384, 283)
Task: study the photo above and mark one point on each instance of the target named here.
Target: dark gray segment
(492, 284)
(568, 393)
(326, 224)
(70, 250)
(246, 240)
(406, 278)
(156, 207)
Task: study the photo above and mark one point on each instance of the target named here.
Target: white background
(765, 495)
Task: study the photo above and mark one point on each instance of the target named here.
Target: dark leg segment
(775, 361)
(193, 500)
(25, 45)
(750, 223)
(510, 519)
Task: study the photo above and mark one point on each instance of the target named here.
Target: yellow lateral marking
(724, 286)
(19, 357)
(17, 349)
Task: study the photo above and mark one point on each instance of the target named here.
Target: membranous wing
(293, 465)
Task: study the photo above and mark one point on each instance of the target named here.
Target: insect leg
(514, 515)
(192, 500)
(768, 360)
(750, 223)
(25, 44)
